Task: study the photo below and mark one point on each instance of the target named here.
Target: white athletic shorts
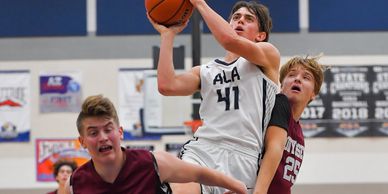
(224, 158)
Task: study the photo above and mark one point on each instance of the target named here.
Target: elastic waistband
(238, 148)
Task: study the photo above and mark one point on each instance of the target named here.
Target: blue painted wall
(20, 18)
(123, 17)
(42, 18)
(348, 15)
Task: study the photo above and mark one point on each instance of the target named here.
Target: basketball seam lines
(155, 6)
(149, 13)
(180, 7)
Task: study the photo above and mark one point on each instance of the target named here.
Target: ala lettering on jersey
(222, 78)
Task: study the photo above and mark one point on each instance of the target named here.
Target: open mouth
(239, 29)
(105, 148)
(296, 88)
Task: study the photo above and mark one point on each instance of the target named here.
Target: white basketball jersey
(237, 101)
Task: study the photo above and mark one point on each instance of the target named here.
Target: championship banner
(351, 96)
(60, 92)
(15, 106)
(353, 102)
(48, 151)
(316, 116)
(380, 104)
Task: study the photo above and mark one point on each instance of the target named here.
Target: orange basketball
(169, 12)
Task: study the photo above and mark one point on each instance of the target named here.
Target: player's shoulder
(281, 97)
(196, 69)
(268, 46)
(282, 100)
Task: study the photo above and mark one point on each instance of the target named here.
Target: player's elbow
(165, 89)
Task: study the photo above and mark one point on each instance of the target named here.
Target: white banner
(131, 102)
(15, 105)
(143, 112)
(60, 92)
(163, 114)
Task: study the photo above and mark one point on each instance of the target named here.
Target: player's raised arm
(169, 82)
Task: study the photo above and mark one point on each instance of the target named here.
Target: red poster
(48, 151)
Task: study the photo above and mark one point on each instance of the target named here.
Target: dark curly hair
(64, 162)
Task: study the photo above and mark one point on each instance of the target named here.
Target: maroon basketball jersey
(291, 161)
(138, 175)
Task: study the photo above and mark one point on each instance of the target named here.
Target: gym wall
(65, 37)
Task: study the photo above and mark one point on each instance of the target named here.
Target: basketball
(169, 12)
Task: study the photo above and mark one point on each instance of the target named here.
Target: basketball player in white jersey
(238, 92)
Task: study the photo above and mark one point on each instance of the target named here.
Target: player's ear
(261, 36)
(81, 141)
(121, 131)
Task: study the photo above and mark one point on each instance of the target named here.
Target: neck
(297, 110)
(230, 57)
(61, 189)
(109, 171)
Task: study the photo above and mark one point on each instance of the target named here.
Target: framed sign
(48, 151)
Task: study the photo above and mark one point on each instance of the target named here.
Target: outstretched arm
(170, 83)
(275, 140)
(174, 170)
